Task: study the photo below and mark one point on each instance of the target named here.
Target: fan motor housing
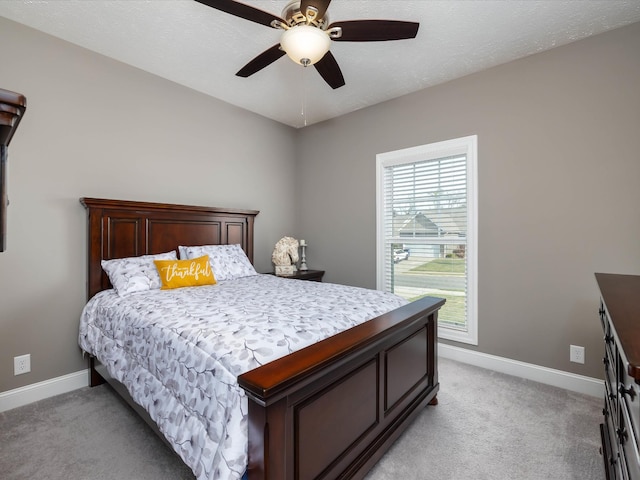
(292, 14)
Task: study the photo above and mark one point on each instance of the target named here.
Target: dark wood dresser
(620, 430)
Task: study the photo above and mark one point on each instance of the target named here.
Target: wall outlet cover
(22, 364)
(576, 354)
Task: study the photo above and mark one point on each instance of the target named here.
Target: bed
(327, 411)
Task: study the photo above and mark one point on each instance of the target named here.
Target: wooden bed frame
(328, 411)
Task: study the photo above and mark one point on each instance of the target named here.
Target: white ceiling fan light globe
(305, 44)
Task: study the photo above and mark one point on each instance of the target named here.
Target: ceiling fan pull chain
(303, 102)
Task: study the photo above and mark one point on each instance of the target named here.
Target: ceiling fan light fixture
(305, 44)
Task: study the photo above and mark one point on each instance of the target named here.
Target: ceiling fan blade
(265, 59)
(320, 5)
(243, 11)
(328, 69)
(375, 30)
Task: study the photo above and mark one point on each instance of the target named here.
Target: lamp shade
(305, 44)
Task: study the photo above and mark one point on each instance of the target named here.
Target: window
(427, 230)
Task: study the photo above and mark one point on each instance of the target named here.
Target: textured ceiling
(202, 48)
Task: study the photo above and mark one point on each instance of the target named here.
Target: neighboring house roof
(432, 223)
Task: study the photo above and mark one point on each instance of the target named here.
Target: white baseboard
(548, 376)
(41, 390)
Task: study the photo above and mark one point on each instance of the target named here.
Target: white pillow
(135, 274)
(227, 261)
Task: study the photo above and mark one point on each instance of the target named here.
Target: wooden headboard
(119, 228)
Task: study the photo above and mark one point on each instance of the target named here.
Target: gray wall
(95, 127)
(559, 196)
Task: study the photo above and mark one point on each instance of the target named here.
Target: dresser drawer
(610, 451)
(612, 404)
(629, 394)
(607, 457)
(610, 351)
(629, 446)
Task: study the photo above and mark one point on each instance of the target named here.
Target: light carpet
(487, 426)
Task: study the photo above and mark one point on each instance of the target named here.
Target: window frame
(464, 145)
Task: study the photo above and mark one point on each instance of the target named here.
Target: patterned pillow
(135, 274)
(227, 261)
(185, 273)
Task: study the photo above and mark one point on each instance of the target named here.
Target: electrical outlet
(576, 354)
(22, 364)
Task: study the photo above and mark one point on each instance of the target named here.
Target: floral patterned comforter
(179, 352)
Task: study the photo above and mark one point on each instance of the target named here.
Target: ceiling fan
(307, 34)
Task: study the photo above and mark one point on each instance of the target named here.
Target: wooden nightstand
(311, 275)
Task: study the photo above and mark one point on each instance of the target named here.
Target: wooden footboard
(331, 410)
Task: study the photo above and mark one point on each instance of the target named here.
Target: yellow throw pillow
(185, 273)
